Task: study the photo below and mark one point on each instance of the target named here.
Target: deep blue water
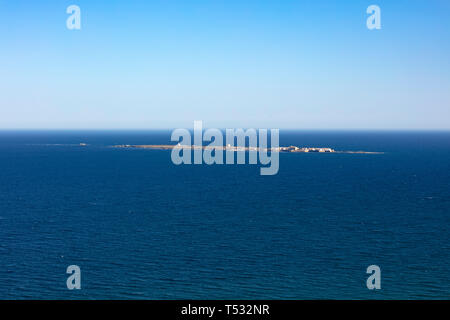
(140, 227)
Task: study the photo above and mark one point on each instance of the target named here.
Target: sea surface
(140, 227)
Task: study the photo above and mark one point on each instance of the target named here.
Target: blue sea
(140, 227)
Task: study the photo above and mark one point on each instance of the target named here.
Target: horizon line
(205, 128)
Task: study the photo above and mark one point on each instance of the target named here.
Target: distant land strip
(290, 149)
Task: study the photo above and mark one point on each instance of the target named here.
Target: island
(289, 149)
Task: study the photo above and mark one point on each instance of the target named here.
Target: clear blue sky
(232, 63)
